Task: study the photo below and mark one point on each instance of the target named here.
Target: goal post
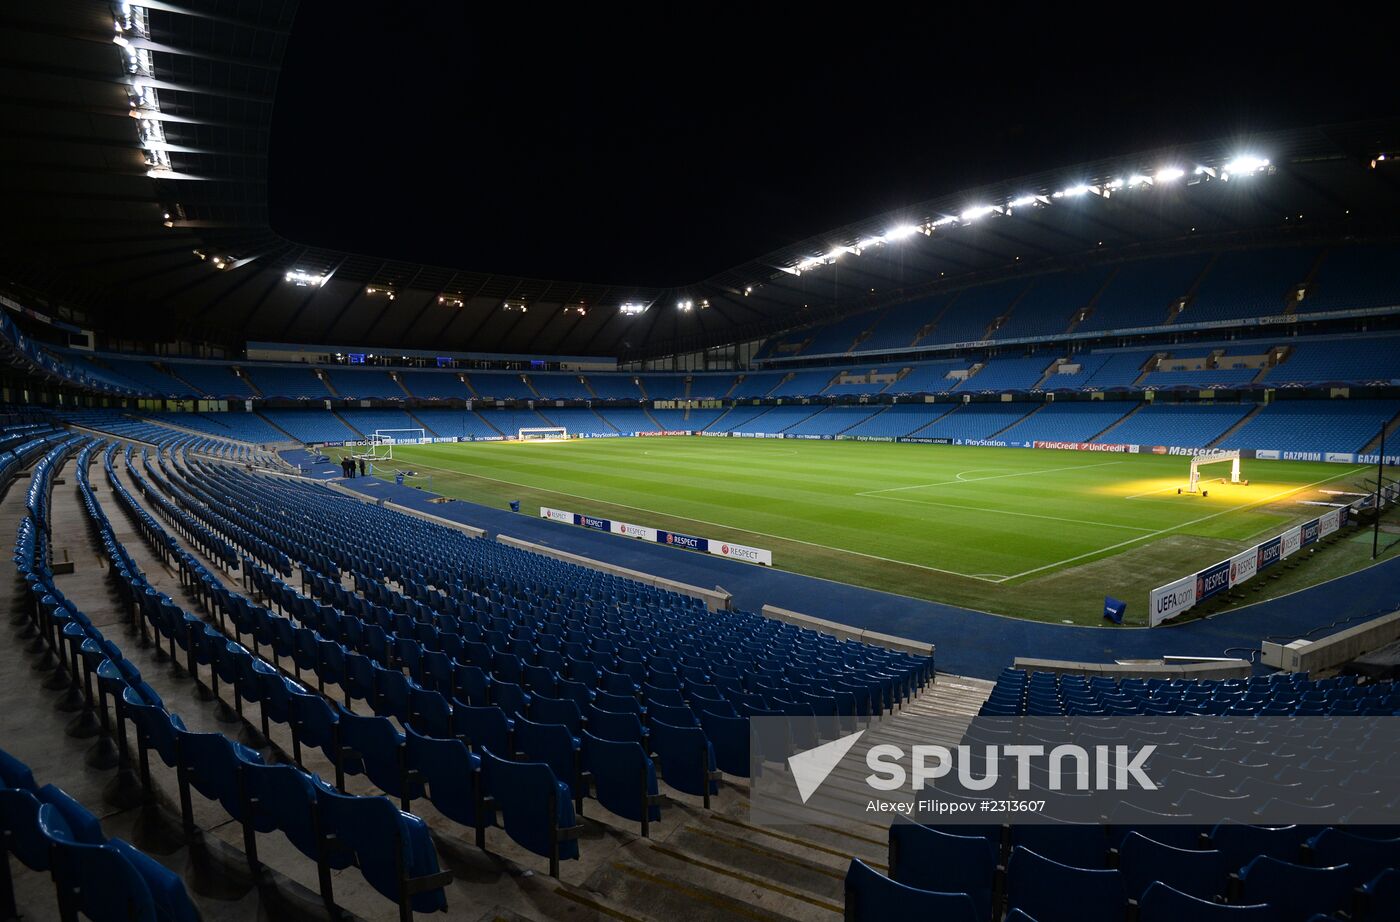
(543, 434)
(379, 445)
(1219, 457)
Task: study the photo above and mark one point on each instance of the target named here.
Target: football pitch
(1036, 533)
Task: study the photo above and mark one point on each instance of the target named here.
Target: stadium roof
(135, 169)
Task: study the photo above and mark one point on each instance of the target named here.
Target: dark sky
(656, 146)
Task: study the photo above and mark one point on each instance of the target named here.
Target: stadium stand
(1373, 358)
(1185, 426)
(310, 426)
(510, 422)
(899, 420)
(838, 337)
(1352, 277)
(1069, 421)
(580, 421)
(712, 386)
(615, 387)
(366, 422)
(434, 385)
(213, 379)
(560, 387)
(976, 420)
(1314, 425)
(865, 380)
(673, 387)
(279, 381)
(500, 386)
(1052, 303)
(758, 384)
(1249, 283)
(803, 384)
(1007, 374)
(969, 316)
(1140, 292)
(629, 421)
(245, 427)
(775, 419)
(367, 384)
(899, 326)
(832, 421)
(1111, 370)
(454, 423)
(929, 378)
(146, 375)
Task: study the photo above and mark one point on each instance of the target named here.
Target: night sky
(659, 146)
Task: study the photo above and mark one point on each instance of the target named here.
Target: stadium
(441, 486)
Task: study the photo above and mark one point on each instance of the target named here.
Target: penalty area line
(961, 479)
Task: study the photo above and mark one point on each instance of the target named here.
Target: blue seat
(686, 758)
(556, 711)
(624, 778)
(1160, 903)
(1239, 844)
(484, 728)
(21, 836)
(510, 697)
(676, 716)
(1052, 892)
(730, 737)
(431, 712)
(1079, 845)
(1142, 860)
(1297, 891)
(392, 849)
(1379, 897)
(929, 859)
(535, 808)
(1367, 857)
(312, 720)
(553, 745)
(450, 773)
(873, 897)
(619, 727)
(374, 747)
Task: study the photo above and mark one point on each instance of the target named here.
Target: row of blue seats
(392, 849)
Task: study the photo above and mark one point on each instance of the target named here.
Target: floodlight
(633, 308)
(1168, 174)
(1243, 165)
(977, 211)
(901, 232)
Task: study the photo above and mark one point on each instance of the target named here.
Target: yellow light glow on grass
(1164, 489)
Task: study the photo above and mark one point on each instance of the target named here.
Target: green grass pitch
(1036, 533)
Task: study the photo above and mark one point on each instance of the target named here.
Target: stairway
(279, 428)
(531, 385)
(420, 423)
(1148, 367)
(398, 379)
(1284, 353)
(238, 372)
(1049, 373)
(1087, 310)
(346, 423)
(952, 408)
(1244, 420)
(1018, 420)
(884, 409)
(1392, 444)
(1190, 295)
(1117, 422)
(1291, 307)
(325, 381)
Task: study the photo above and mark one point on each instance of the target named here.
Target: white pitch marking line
(1027, 515)
(961, 479)
(1163, 531)
(729, 527)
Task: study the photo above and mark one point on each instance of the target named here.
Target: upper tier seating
(277, 381)
(1354, 277)
(500, 386)
(148, 376)
(1249, 283)
(929, 378)
(614, 387)
(757, 384)
(366, 384)
(899, 325)
(1184, 426)
(559, 387)
(1107, 370)
(1314, 425)
(246, 427)
(861, 387)
(712, 386)
(1052, 302)
(972, 311)
(435, 385)
(773, 419)
(1141, 292)
(214, 379)
(837, 337)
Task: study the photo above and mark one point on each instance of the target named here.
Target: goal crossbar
(1217, 457)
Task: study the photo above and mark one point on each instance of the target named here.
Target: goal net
(380, 445)
(544, 434)
(1219, 457)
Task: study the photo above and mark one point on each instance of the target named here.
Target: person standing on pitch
(362, 467)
